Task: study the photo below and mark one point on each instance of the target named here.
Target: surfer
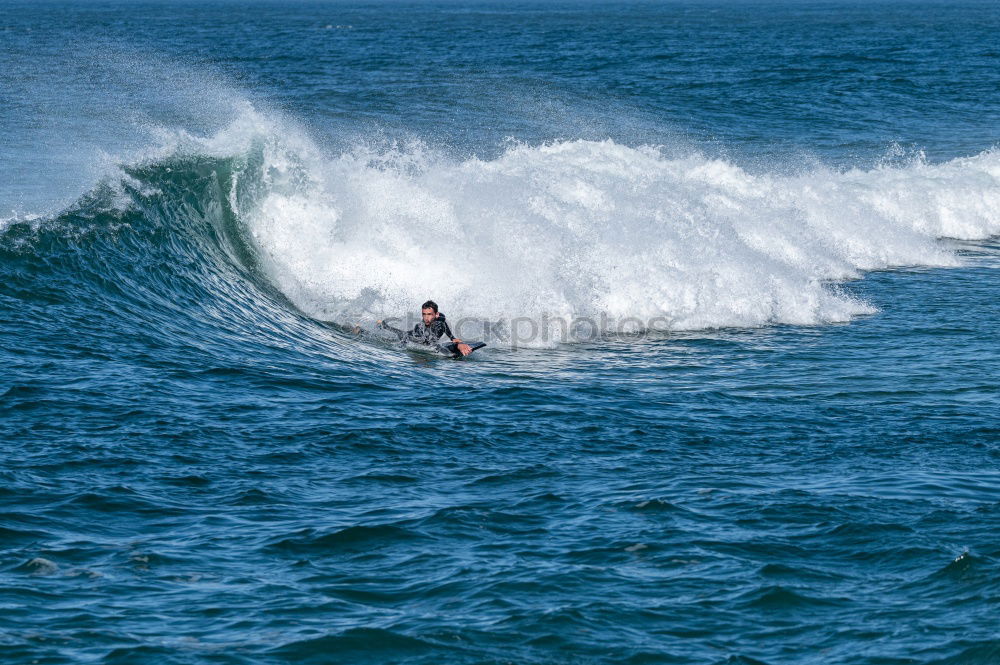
(430, 329)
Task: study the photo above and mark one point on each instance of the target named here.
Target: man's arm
(385, 326)
(447, 332)
(462, 347)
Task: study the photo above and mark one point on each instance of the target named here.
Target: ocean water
(737, 263)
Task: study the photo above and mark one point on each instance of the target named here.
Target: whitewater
(580, 229)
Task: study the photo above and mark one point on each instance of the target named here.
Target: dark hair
(430, 303)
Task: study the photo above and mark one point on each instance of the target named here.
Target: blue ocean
(737, 267)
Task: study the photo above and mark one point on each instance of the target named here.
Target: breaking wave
(631, 237)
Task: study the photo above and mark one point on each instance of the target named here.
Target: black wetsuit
(428, 335)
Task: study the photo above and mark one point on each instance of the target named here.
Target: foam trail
(599, 229)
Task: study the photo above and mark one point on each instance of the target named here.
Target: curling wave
(626, 236)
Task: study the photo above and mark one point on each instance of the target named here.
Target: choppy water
(776, 442)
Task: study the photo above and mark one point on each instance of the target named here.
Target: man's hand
(464, 348)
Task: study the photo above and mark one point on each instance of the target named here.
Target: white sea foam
(623, 235)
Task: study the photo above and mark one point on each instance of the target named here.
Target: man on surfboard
(430, 329)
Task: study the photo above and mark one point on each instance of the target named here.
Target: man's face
(428, 315)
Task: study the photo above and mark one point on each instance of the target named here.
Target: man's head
(428, 312)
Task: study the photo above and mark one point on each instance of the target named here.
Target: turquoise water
(736, 263)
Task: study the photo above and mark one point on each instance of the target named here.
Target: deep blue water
(737, 263)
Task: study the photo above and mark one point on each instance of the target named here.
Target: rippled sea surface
(780, 445)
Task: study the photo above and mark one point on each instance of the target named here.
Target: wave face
(156, 255)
